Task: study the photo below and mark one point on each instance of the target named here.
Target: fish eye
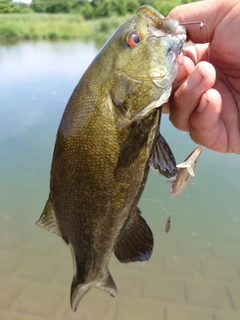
(133, 39)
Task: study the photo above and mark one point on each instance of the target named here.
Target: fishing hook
(201, 24)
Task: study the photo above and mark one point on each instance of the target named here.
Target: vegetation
(70, 19)
(90, 9)
(56, 26)
(8, 6)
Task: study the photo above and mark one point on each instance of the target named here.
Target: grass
(56, 26)
(41, 26)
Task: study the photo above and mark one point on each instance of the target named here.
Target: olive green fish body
(105, 143)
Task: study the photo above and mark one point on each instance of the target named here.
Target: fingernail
(194, 80)
(202, 106)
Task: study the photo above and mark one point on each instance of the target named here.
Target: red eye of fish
(134, 39)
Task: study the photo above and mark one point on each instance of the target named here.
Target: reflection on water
(194, 272)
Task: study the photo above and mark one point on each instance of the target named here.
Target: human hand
(206, 95)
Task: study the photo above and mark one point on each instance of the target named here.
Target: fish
(185, 172)
(106, 138)
(168, 224)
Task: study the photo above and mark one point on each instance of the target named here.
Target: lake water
(194, 272)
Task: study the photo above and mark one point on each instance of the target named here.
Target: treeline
(8, 6)
(89, 9)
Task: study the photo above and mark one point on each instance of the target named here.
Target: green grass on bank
(56, 26)
(49, 26)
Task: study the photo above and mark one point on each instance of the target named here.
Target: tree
(52, 6)
(39, 5)
(56, 6)
(7, 6)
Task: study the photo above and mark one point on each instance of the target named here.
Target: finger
(187, 97)
(214, 127)
(197, 53)
(185, 68)
(206, 127)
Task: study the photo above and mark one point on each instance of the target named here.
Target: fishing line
(158, 201)
(168, 223)
(206, 39)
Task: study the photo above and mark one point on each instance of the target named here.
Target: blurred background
(69, 19)
(194, 271)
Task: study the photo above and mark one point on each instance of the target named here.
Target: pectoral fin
(139, 138)
(136, 240)
(48, 219)
(132, 147)
(162, 159)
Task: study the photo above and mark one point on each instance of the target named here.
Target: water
(194, 272)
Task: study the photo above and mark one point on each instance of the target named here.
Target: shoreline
(37, 26)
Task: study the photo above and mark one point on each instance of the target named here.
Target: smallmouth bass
(107, 139)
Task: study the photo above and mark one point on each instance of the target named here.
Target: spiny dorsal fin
(136, 240)
(48, 219)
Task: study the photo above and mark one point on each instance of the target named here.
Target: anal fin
(136, 240)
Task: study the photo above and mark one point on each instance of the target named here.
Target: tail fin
(191, 161)
(80, 288)
(83, 282)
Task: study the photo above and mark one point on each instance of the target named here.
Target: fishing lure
(185, 172)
